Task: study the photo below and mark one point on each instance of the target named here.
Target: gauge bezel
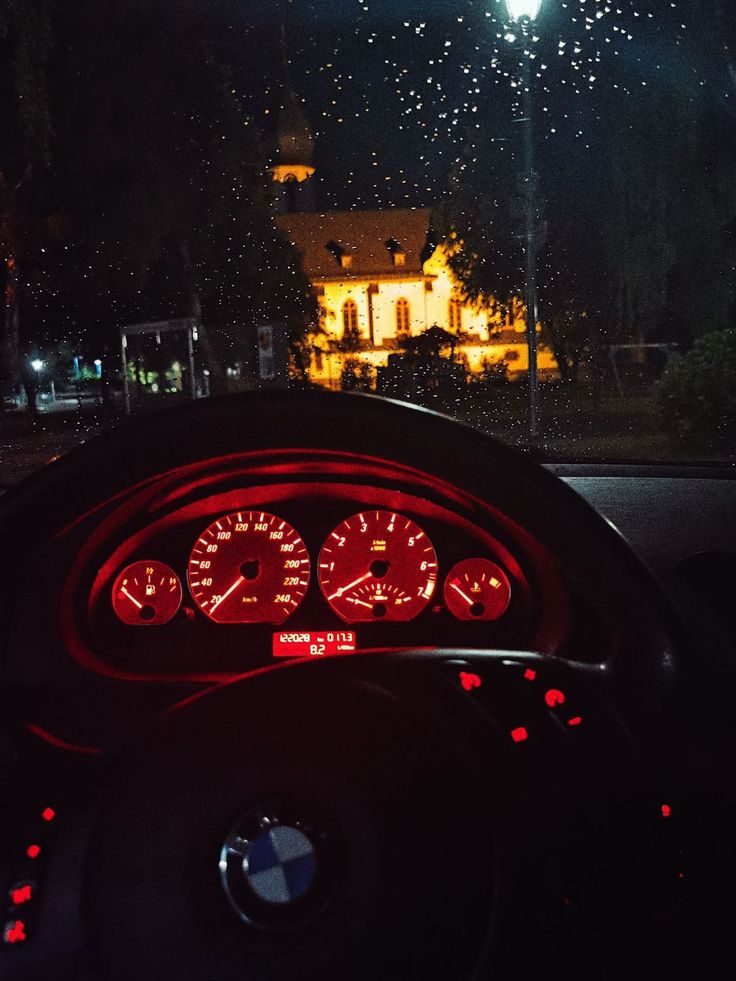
(346, 557)
(247, 545)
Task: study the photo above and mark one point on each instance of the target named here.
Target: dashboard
(145, 569)
(223, 569)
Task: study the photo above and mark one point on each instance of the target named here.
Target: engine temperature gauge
(146, 593)
(477, 589)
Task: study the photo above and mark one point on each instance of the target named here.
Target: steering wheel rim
(646, 666)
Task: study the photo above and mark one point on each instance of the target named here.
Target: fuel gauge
(146, 593)
(477, 589)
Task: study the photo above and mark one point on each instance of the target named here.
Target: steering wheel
(397, 815)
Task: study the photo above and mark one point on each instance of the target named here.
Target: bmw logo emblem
(278, 867)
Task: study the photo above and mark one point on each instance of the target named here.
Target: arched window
(455, 315)
(402, 316)
(350, 317)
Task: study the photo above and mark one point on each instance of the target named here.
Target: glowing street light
(523, 9)
(525, 12)
(37, 365)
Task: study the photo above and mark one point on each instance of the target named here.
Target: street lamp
(525, 12)
(523, 9)
(37, 365)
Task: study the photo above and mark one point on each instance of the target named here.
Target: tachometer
(146, 593)
(248, 567)
(377, 565)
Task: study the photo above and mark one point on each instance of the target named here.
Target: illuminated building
(380, 279)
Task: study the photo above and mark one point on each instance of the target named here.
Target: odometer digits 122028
(248, 567)
(377, 565)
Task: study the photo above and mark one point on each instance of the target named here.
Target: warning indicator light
(48, 814)
(470, 681)
(666, 810)
(575, 720)
(519, 735)
(530, 674)
(33, 851)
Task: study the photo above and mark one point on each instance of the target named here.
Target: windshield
(519, 212)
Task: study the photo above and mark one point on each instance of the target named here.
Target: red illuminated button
(33, 851)
(469, 680)
(554, 697)
(519, 735)
(530, 674)
(21, 894)
(575, 720)
(666, 810)
(48, 814)
(14, 932)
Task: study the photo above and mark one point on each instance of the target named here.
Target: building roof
(370, 238)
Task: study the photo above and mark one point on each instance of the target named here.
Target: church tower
(292, 167)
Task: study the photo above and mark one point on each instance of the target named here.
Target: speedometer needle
(457, 589)
(133, 600)
(344, 589)
(226, 594)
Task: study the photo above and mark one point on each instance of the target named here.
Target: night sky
(397, 91)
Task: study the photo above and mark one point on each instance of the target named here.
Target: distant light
(36, 364)
(523, 9)
(98, 363)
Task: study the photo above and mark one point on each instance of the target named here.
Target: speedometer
(248, 567)
(377, 565)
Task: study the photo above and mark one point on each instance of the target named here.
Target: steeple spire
(292, 166)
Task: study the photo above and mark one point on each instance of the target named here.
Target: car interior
(299, 684)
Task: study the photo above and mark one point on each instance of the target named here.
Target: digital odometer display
(248, 567)
(322, 643)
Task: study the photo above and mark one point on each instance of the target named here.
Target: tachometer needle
(133, 600)
(344, 589)
(457, 589)
(226, 594)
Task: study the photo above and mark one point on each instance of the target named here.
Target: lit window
(346, 260)
(350, 316)
(402, 316)
(455, 315)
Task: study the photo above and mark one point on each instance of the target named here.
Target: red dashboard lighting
(33, 851)
(575, 720)
(554, 697)
(666, 810)
(48, 814)
(530, 674)
(22, 894)
(15, 932)
(314, 643)
(519, 735)
(469, 680)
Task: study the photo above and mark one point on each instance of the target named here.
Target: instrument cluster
(254, 567)
(218, 584)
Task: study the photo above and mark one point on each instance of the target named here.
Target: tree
(25, 45)
(157, 186)
(639, 198)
